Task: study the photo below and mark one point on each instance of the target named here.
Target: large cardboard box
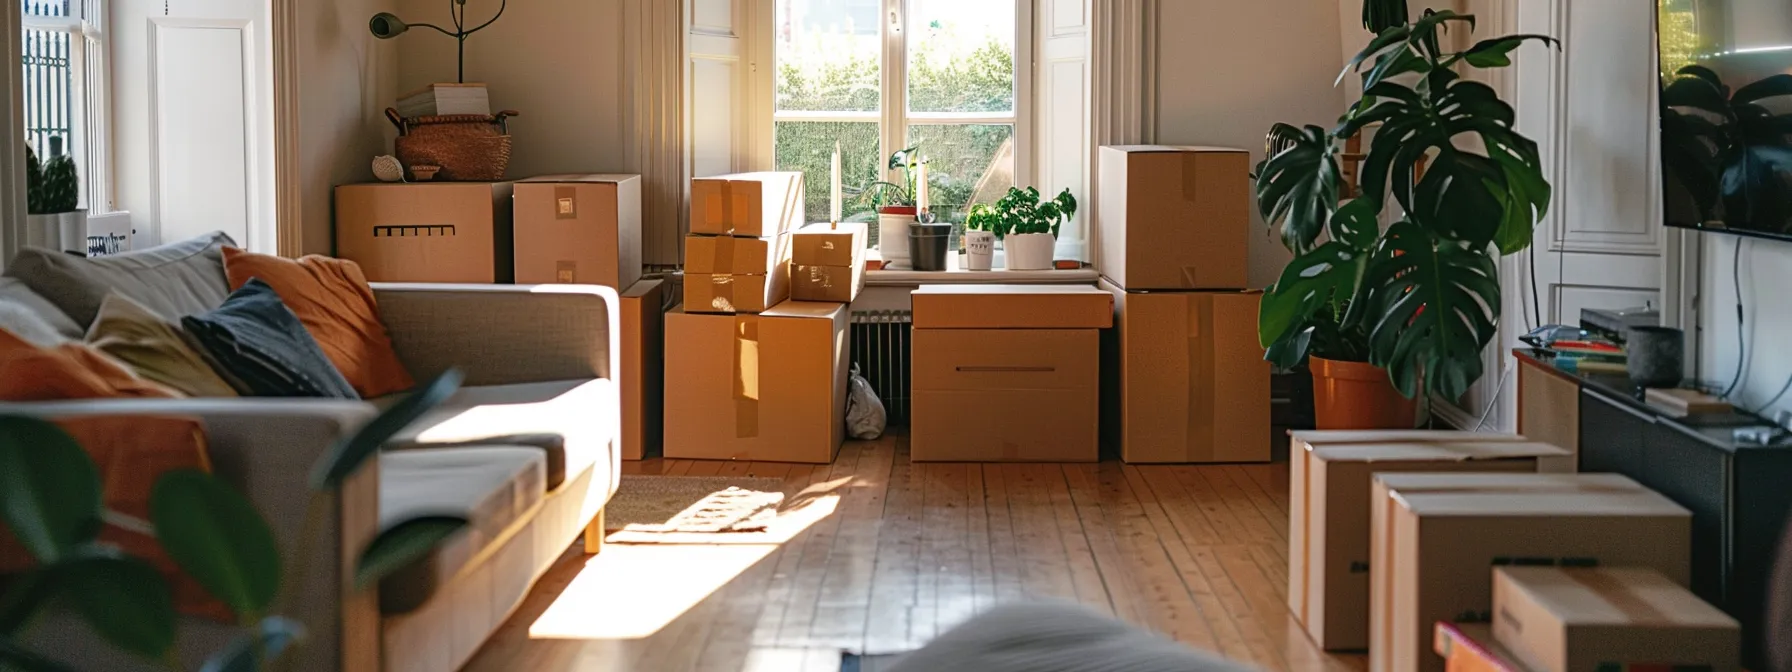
(747, 204)
(1174, 217)
(729, 274)
(1328, 517)
(642, 375)
(1012, 307)
(1004, 395)
(1567, 620)
(769, 387)
(827, 262)
(583, 229)
(1187, 381)
(427, 232)
(1435, 537)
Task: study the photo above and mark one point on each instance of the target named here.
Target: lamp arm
(458, 32)
(501, 5)
(430, 26)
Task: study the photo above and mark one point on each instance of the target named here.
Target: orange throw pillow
(67, 371)
(333, 301)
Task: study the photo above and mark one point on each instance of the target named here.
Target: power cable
(1741, 342)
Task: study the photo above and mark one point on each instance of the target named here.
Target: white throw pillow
(28, 325)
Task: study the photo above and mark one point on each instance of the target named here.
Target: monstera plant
(1420, 298)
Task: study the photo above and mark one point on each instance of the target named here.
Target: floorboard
(1197, 553)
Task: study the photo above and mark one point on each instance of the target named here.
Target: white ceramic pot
(1029, 251)
(979, 250)
(63, 231)
(892, 239)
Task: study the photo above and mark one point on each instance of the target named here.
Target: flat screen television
(1726, 115)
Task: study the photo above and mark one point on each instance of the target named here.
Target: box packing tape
(721, 259)
(1200, 392)
(717, 206)
(746, 376)
(1613, 591)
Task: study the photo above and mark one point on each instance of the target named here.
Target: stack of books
(442, 99)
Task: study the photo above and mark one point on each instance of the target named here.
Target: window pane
(45, 7)
(49, 86)
(808, 146)
(961, 56)
(828, 54)
(966, 164)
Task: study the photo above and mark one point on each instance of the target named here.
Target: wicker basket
(468, 147)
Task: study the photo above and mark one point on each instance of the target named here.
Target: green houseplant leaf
(1297, 189)
(216, 536)
(403, 544)
(1320, 279)
(49, 488)
(253, 651)
(124, 599)
(351, 452)
(1431, 318)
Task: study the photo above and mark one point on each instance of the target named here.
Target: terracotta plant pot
(1357, 395)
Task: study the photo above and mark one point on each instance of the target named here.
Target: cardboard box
(1004, 395)
(730, 294)
(747, 204)
(1187, 381)
(1328, 517)
(1012, 307)
(643, 369)
(1174, 217)
(1434, 538)
(583, 229)
(1469, 647)
(728, 274)
(1563, 620)
(827, 262)
(768, 387)
(427, 232)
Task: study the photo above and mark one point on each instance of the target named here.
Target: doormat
(693, 503)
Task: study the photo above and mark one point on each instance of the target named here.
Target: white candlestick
(834, 189)
(921, 187)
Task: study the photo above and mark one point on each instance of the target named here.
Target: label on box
(566, 203)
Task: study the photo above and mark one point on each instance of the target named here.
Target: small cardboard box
(1328, 516)
(747, 204)
(1186, 380)
(827, 262)
(1469, 647)
(729, 274)
(1567, 620)
(768, 387)
(1012, 307)
(1004, 395)
(583, 229)
(1434, 538)
(1174, 217)
(643, 368)
(427, 232)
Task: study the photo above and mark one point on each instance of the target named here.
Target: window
(877, 76)
(64, 84)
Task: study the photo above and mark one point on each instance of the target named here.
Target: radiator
(880, 348)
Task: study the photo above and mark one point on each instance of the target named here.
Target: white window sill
(957, 276)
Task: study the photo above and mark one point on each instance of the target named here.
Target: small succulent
(1022, 212)
(51, 187)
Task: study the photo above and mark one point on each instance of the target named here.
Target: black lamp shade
(386, 25)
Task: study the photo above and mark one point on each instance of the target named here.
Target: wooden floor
(1198, 553)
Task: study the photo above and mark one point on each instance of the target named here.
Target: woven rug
(693, 504)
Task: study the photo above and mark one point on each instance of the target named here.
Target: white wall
(346, 78)
(1228, 69)
(558, 62)
(1766, 272)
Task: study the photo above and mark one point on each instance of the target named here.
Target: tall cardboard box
(1187, 381)
(1565, 620)
(1436, 537)
(1006, 373)
(1174, 217)
(427, 231)
(769, 387)
(755, 205)
(583, 229)
(1328, 517)
(729, 274)
(827, 262)
(643, 368)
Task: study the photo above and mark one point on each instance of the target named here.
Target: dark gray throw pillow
(260, 343)
(173, 280)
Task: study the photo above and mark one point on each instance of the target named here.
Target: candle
(921, 187)
(834, 188)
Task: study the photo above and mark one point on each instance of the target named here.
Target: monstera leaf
(1322, 279)
(1298, 187)
(1432, 296)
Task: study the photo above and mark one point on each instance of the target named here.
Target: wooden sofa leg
(594, 534)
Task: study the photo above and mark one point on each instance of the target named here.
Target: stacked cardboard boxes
(1186, 379)
(758, 377)
(1554, 619)
(827, 262)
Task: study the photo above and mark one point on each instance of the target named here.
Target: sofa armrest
(503, 334)
(266, 448)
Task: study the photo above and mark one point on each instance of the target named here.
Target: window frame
(89, 109)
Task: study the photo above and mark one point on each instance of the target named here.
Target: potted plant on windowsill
(1420, 300)
(896, 208)
(52, 199)
(1027, 227)
(980, 227)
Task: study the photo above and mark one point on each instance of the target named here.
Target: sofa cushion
(154, 349)
(15, 291)
(581, 413)
(493, 487)
(66, 371)
(28, 324)
(334, 302)
(174, 280)
(256, 339)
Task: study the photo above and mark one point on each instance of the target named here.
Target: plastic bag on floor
(864, 411)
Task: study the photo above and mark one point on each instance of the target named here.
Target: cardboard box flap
(1494, 482)
(1318, 437)
(829, 245)
(809, 309)
(1614, 596)
(1012, 307)
(1566, 502)
(593, 178)
(1462, 451)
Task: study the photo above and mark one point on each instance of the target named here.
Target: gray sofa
(527, 450)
